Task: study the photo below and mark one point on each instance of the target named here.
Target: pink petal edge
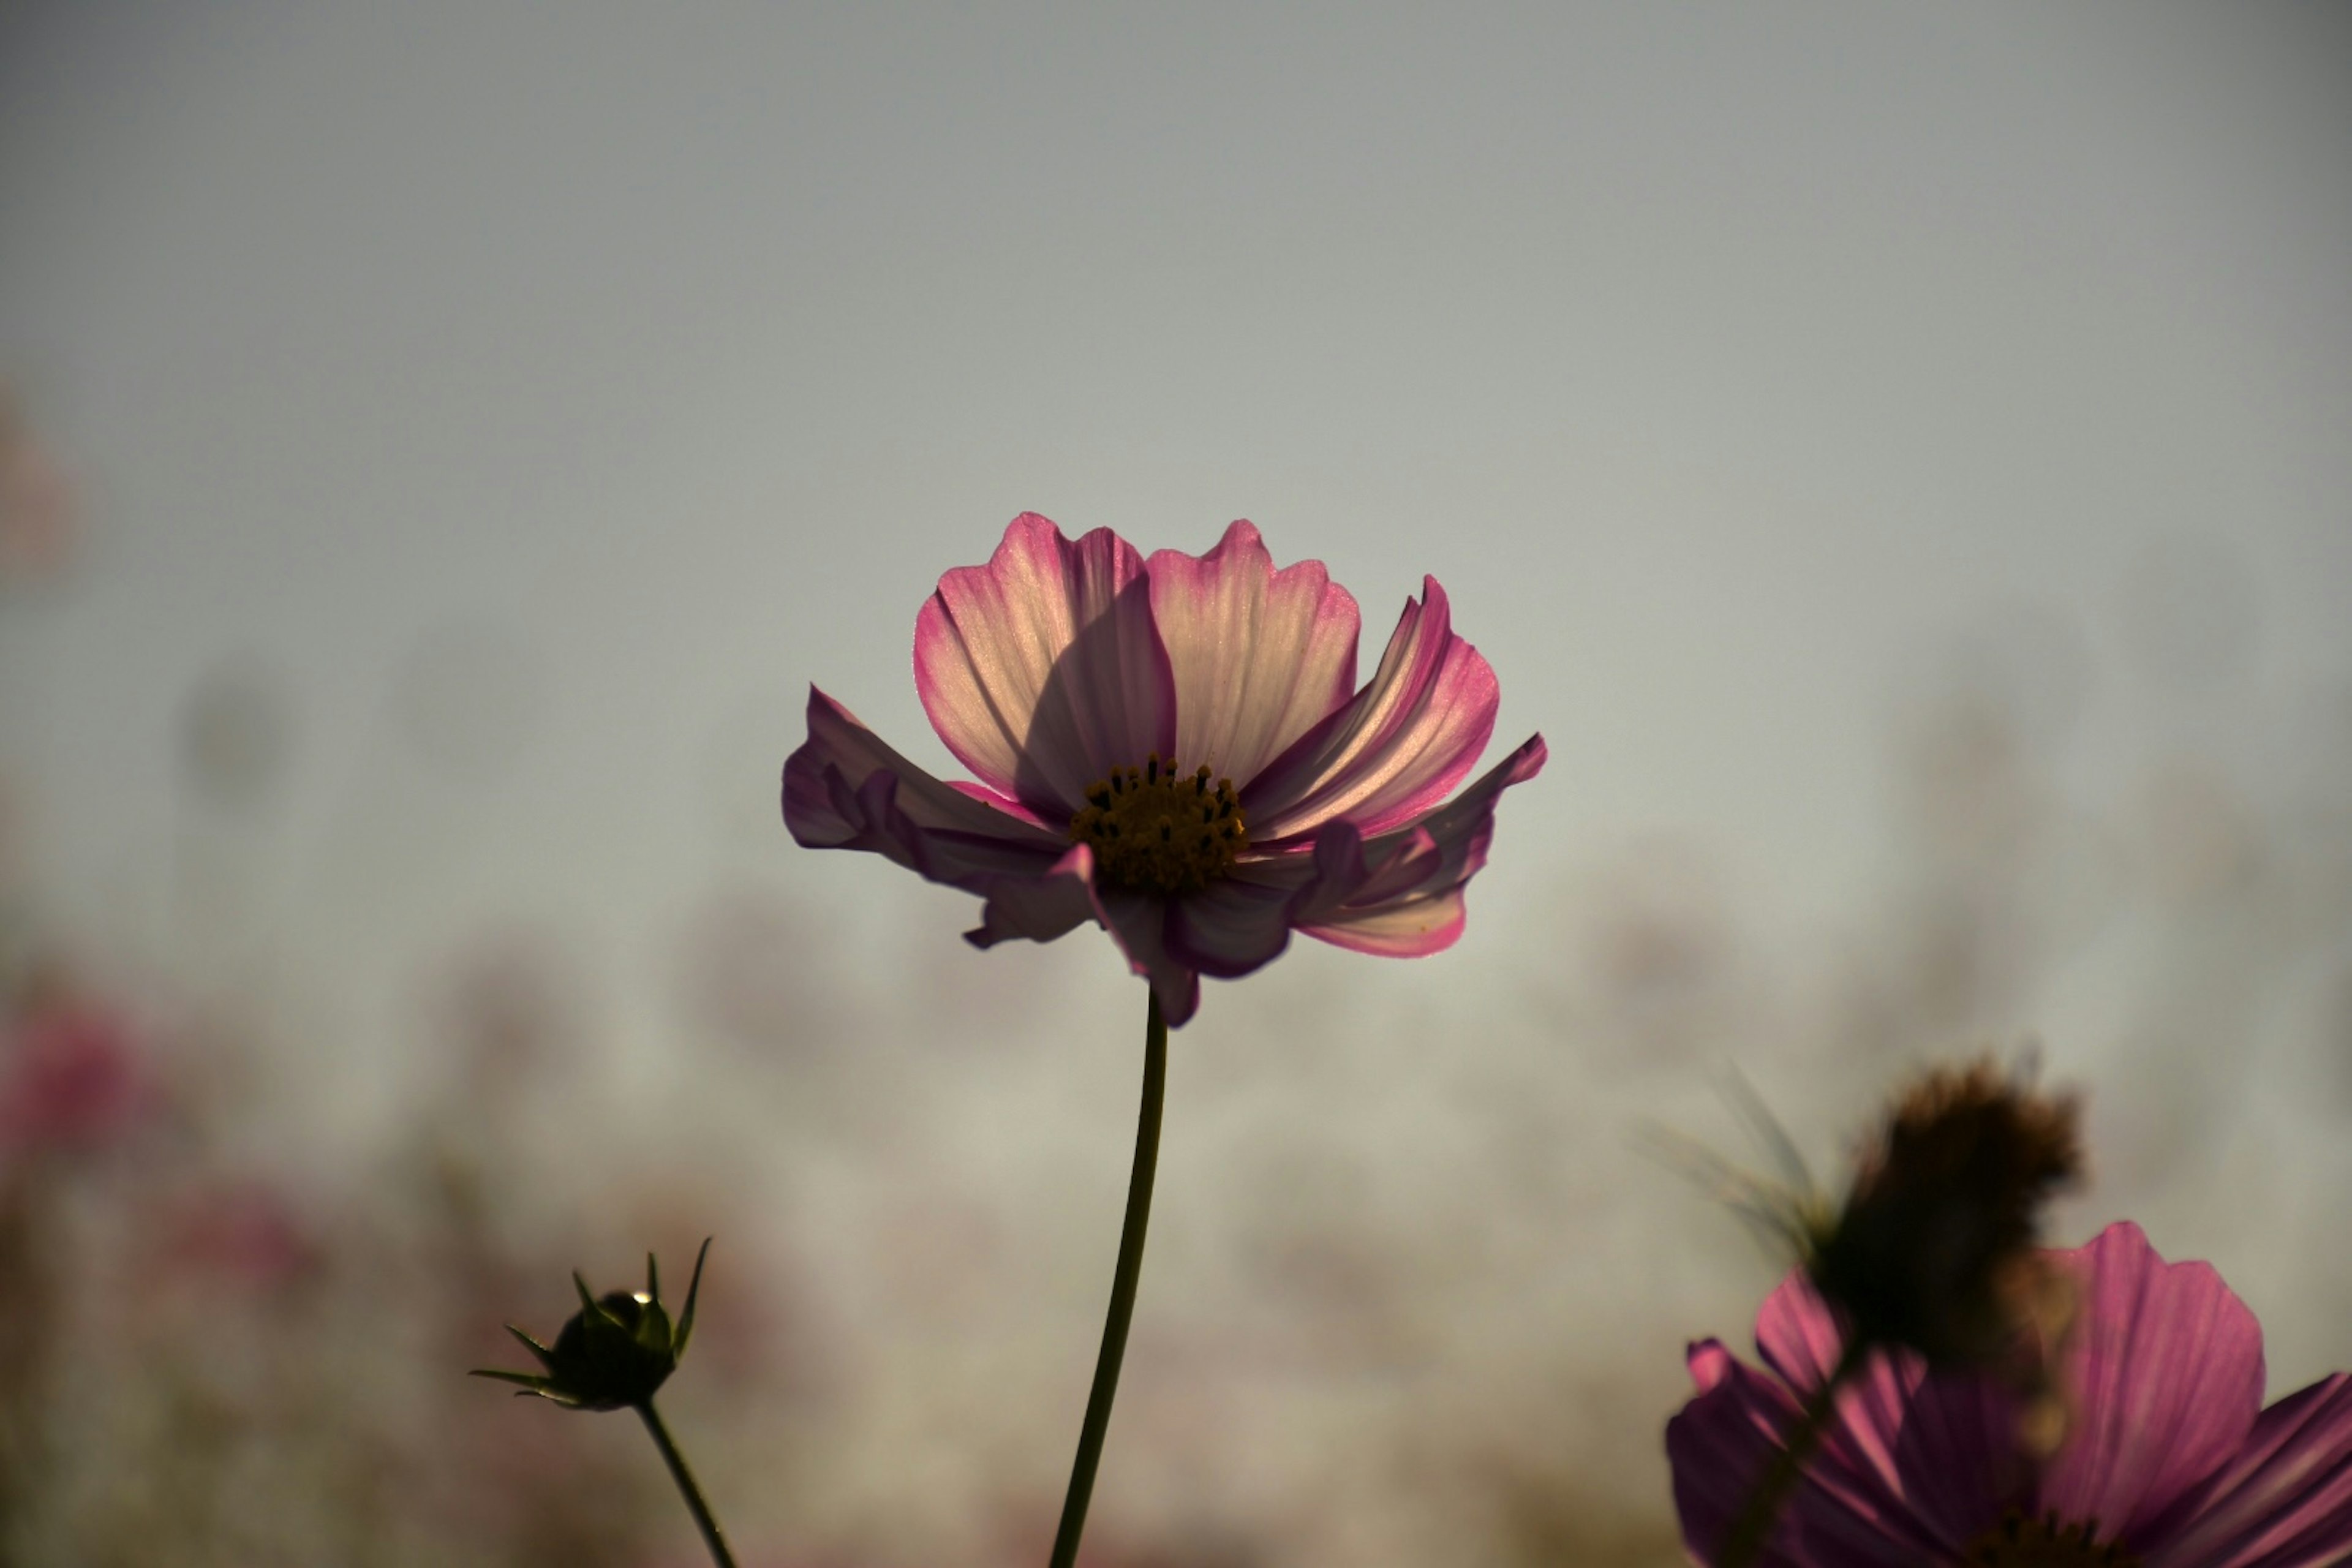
(1259, 656)
(1393, 750)
(1043, 669)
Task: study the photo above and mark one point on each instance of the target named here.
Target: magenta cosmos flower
(2170, 1461)
(1176, 747)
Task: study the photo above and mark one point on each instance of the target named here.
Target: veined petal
(2286, 1502)
(1241, 921)
(1259, 656)
(1401, 895)
(1042, 670)
(1137, 923)
(1396, 748)
(845, 789)
(1944, 1445)
(2165, 1373)
(1039, 908)
(1720, 1444)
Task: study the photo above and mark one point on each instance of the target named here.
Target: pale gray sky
(575, 383)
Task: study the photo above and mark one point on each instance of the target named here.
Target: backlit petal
(2164, 1371)
(1394, 750)
(1259, 656)
(2286, 1502)
(1042, 670)
(1944, 1445)
(1721, 1443)
(1401, 895)
(845, 789)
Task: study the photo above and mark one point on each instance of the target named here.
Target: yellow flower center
(2018, 1541)
(1159, 831)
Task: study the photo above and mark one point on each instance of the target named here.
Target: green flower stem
(1122, 1291)
(1744, 1543)
(685, 1479)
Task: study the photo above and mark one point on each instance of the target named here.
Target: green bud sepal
(615, 1352)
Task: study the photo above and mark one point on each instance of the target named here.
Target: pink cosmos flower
(2170, 1461)
(1176, 747)
(71, 1075)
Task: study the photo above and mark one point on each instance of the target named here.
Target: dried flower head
(1934, 1247)
(615, 1352)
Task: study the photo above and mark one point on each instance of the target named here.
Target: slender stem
(1122, 1291)
(1744, 1543)
(685, 1479)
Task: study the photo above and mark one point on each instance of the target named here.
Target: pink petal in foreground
(2286, 1502)
(1722, 1442)
(1402, 895)
(2165, 1371)
(1259, 656)
(1398, 896)
(845, 789)
(1942, 1448)
(1042, 670)
(1137, 923)
(1394, 749)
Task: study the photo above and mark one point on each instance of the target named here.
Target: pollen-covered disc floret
(2021, 1541)
(1158, 830)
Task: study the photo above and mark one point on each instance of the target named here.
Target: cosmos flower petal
(1038, 908)
(1401, 895)
(1840, 1516)
(2165, 1371)
(1239, 922)
(1259, 656)
(1394, 750)
(2286, 1502)
(1944, 1446)
(845, 789)
(1137, 923)
(1042, 669)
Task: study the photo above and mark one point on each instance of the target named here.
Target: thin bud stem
(1122, 1292)
(685, 1479)
(1744, 1543)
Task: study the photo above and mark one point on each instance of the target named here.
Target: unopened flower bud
(615, 1352)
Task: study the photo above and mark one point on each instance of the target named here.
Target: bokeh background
(1896, 454)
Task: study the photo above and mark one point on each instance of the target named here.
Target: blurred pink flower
(1175, 748)
(2170, 1461)
(70, 1077)
(242, 1233)
(36, 502)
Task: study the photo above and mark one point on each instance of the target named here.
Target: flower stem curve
(1124, 1278)
(685, 1479)
(1744, 1543)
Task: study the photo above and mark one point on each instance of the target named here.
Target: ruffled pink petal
(1137, 923)
(1396, 748)
(2165, 1370)
(2286, 1502)
(1401, 895)
(1241, 922)
(1039, 908)
(1042, 669)
(1721, 1443)
(845, 789)
(1259, 656)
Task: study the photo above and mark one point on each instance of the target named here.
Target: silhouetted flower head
(1175, 748)
(1934, 1248)
(2170, 1461)
(615, 1352)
